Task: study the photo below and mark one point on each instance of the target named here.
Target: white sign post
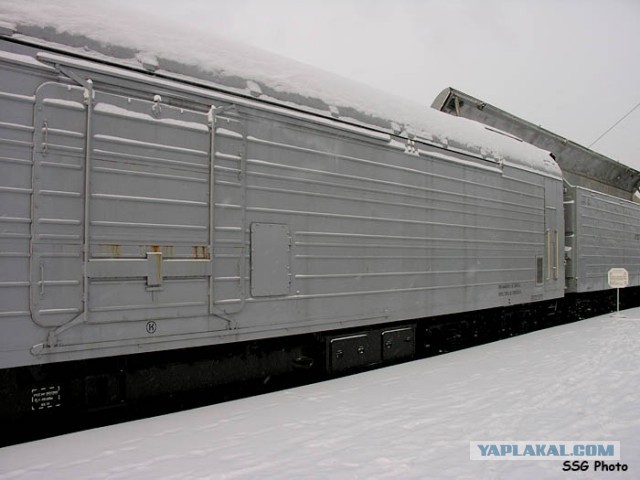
(618, 278)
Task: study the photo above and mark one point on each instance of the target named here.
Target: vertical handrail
(211, 118)
(548, 241)
(556, 273)
(88, 98)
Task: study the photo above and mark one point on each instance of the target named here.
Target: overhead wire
(614, 125)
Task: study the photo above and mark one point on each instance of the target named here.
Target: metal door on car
(144, 191)
(150, 210)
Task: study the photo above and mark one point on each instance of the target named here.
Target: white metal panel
(270, 260)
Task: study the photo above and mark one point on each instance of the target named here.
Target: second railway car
(170, 221)
(602, 232)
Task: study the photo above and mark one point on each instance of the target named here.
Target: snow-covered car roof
(148, 43)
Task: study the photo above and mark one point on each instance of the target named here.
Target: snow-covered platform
(575, 382)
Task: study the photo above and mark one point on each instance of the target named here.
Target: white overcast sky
(572, 66)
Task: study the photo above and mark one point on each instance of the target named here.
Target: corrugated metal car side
(604, 232)
(382, 233)
(178, 190)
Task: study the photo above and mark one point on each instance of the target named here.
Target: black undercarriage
(46, 400)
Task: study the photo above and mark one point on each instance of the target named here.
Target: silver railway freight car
(151, 202)
(142, 213)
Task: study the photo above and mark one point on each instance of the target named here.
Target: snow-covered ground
(575, 382)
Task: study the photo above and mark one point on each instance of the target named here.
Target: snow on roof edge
(154, 44)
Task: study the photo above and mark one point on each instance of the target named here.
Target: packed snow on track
(578, 382)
